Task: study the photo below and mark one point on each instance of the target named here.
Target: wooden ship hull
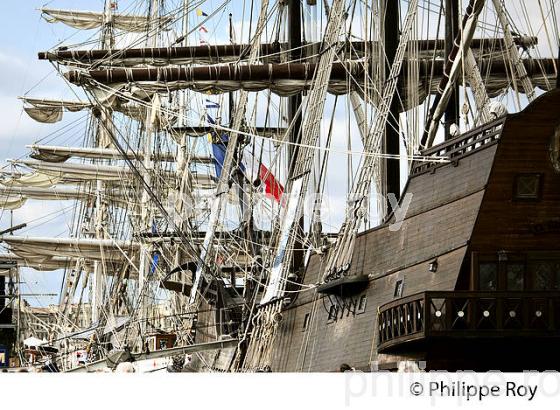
(471, 280)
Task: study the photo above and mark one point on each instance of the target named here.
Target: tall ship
(292, 186)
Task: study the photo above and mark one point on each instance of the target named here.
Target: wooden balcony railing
(462, 145)
(469, 314)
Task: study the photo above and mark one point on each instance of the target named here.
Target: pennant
(212, 104)
(200, 13)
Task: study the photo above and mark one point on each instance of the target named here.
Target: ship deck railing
(461, 146)
(468, 314)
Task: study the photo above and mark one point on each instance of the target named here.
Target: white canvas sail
(14, 197)
(495, 83)
(94, 249)
(78, 172)
(35, 179)
(11, 202)
(50, 153)
(87, 20)
(41, 263)
(50, 111)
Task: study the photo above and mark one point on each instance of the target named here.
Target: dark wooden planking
(353, 338)
(439, 224)
(508, 224)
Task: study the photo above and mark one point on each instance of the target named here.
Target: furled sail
(78, 172)
(35, 179)
(96, 249)
(51, 173)
(292, 78)
(47, 115)
(50, 111)
(63, 193)
(87, 20)
(14, 197)
(11, 202)
(269, 52)
(40, 263)
(61, 154)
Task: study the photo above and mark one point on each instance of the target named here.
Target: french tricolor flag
(255, 171)
(260, 176)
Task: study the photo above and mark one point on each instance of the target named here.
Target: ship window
(306, 321)
(488, 276)
(546, 275)
(515, 276)
(527, 186)
(399, 286)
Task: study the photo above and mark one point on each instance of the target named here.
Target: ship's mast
(182, 214)
(151, 117)
(294, 110)
(451, 31)
(453, 67)
(107, 41)
(231, 101)
(390, 34)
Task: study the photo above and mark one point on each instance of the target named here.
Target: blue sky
(22, 34)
